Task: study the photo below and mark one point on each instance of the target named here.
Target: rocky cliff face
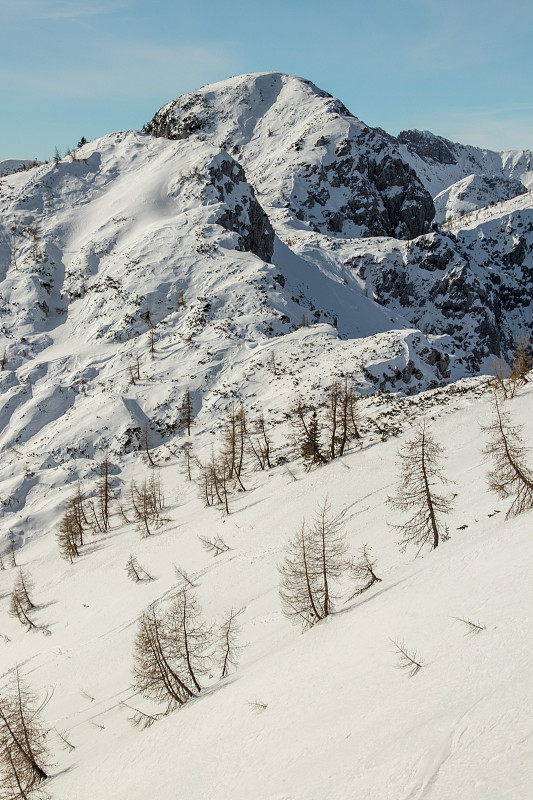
(242, 213)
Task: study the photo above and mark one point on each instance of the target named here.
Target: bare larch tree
(228, 647)
(315, 558)
(147, 502)
(363, 570)
(173, 651)
(419, 461)
(20, 602)
(509, 475)
(23, 751)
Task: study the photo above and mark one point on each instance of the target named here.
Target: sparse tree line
(317, 435)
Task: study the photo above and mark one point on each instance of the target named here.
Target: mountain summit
(305, 154)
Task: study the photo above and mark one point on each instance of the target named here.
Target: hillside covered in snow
(253, 257)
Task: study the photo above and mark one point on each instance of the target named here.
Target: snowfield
(262, 244)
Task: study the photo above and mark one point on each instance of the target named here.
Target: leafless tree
(234, 444)
(186, 413)
(172, 652)
(66, 743)
(315, 558)
(214, 481)
(23, 751)
(472, 627)
(12, 552)
(182, 574)
(70, 533)
(147, 503)
(363, 570)
(72, 526)
(408, 660)
(136, 572)
(419, 463)
(146, 446)
(509, 475)
(257, 705)
(228, 647)
(341, 417)
(23, 586)
(20, 602)
(155, 675)
(259, 442)
(214, 545)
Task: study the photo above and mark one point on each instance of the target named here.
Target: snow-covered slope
(326, 714)
(473, 192)
(236, 255)
(10, 165)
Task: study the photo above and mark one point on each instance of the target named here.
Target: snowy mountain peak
(305, 155)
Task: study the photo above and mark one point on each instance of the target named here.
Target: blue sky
(72, 68)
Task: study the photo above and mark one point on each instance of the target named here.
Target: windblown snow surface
(147, 240)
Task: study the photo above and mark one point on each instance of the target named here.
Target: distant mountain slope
(473, 192)
(439, 163)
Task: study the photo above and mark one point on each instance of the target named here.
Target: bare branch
(214, 545)
(407, 659)
(473, 627)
